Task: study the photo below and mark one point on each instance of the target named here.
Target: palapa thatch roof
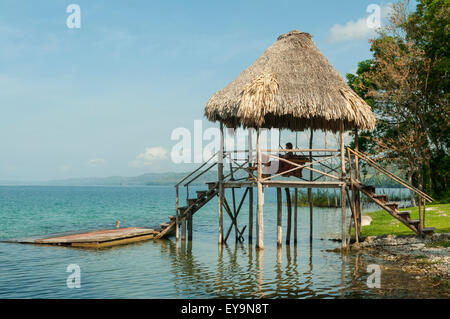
(290, 86)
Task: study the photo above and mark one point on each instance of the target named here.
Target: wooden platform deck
(98, 238)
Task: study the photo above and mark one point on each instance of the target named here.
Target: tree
(404, 82)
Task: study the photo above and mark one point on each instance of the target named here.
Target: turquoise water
(165, 269)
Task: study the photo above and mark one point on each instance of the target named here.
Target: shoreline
(424, 257)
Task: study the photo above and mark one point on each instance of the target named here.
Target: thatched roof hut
(290, 86)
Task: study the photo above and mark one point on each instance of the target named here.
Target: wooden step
(380, 197)
(368, 188)
(406, 215)
(182, 209)
(414, 222)
(172, 217)
(201, 194)
(164, 225)
(211, 185)
(392, 205)
(191, 201)
(428, 230)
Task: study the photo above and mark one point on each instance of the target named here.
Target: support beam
(310, 196)
(343, 191)
(358, 193)
(343, 216)
(295, 215)
(289, 216)
(221, 192)
(183, 228)
(259, 217)
(177, 218)
(250, 198)
(250, 216)
(189, 224)
(279, 217)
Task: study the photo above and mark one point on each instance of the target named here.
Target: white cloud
(96, 162)
(149, 156)
(356, 30)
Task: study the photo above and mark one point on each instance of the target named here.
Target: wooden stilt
(295, 215)
(357, 194)
(310, 197)
(279, 216)
(177, 218)
(250, 198)
(259, 218)
(221, 190)
(343, 191)
(343, 216)
(289, 216)
(189, 223)
(183, 228)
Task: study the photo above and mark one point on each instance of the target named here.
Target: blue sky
(87, 102)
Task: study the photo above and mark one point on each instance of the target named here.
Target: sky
(104, 99)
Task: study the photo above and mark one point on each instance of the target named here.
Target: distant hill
(146, 179)
(171, 178)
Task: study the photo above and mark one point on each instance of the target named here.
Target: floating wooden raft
(101, 238)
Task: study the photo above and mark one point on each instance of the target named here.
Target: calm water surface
(164, 269)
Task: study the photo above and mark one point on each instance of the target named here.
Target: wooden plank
(113, 242)
(98, 236)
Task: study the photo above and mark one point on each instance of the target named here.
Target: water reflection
(242, 272)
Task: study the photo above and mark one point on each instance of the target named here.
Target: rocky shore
(426, 257)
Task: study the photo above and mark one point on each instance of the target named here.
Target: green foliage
(416, 45)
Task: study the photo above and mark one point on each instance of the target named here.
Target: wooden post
(221, 191)
(189, 223)
(420, 214)
(343, 177)
(424, 212)
(183, 228)
(358, 194)
(310, 199)
(259, 216)
(295, 215)
(250, 198)
(296, 200)
(177, 219)
(289, 216)
(279, 217)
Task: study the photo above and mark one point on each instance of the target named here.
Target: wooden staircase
(193, 206)
(416, 225)
(392, 208)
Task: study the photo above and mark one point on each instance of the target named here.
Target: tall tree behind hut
(400, 83)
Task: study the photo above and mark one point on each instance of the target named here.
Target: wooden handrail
(297, 166)
(200, 174)
(390, 175)
(195, 171)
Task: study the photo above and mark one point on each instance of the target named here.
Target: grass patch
(385, 224)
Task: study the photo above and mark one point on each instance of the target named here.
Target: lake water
(165, 269)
